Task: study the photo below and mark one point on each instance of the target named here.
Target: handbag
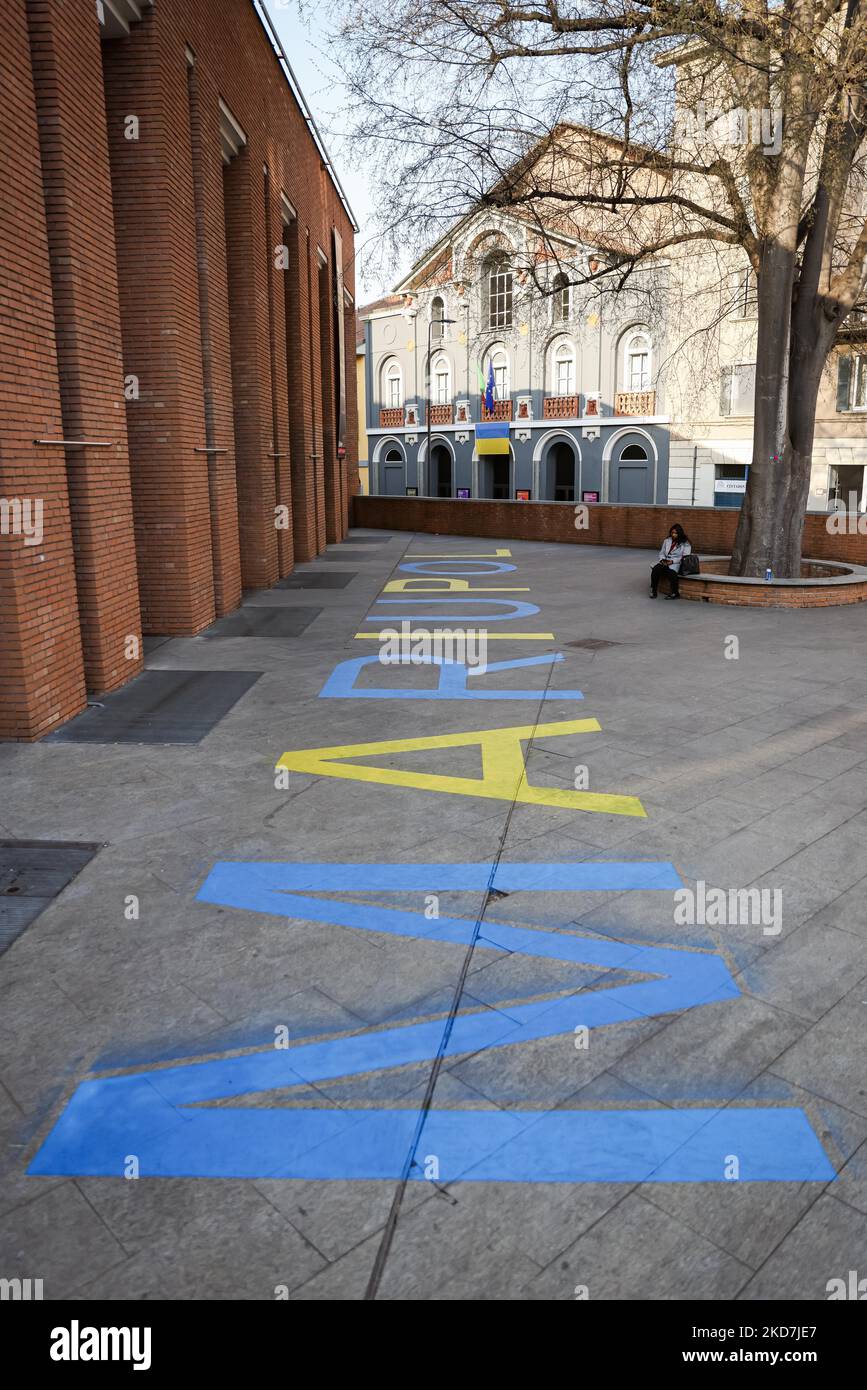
(690, 564)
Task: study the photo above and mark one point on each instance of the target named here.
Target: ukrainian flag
(492, 437)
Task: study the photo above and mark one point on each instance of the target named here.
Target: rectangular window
(745, 304)
(639, 371)
(394, 392)
(441, 393)
(738, 389)
(730, 484)
(565, 377)
(500, 297)
(501, 385)
(859, 383)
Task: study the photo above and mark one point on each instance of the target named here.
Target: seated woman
(672, 551)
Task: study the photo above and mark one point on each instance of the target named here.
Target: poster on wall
(412, 492)
(463, 492)
(590, 497)
(522, 494)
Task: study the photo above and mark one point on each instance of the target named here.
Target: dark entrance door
(561, 472)
(393, 474)
(632, 475)
(441, 472)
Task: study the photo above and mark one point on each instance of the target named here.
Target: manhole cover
(32, 872)
(593, 644)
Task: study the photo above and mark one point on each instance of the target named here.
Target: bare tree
(593, 115)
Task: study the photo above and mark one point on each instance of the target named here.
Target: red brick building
(177, 355)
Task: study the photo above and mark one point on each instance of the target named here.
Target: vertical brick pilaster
(316, 392)
(155, 226)
(278, 270)
(41, 668)
(299, 387)
(67, 72)
(350, 473)
(214, 329)
(251, 369)
(329, 423)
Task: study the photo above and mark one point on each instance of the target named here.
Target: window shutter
(844, 382)
(725, 391)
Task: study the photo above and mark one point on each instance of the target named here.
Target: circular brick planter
(823, 584)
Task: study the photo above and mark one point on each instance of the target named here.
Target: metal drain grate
(593, 644)
(32, 872)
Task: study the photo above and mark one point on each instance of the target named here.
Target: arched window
(637, 361)
(394, 456)
(437, 314)
(497, 293)
(562, 305)
(441, 380)
(634, 451)
(499, 359)
(563, 369)
(392, 379)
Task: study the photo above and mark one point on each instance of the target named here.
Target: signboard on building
(522, 494)
(730, 485)
(463, 492)
(590, 497)
(412, 492)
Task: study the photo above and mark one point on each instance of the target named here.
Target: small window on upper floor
(498, 293)
(852, 381)
(738, 389)
(437, 314)
(562, 303)
(563, 369)
(637, 361)
(392, 378)
(744, 293)
(442, 381)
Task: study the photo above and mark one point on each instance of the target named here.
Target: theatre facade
(491, 329)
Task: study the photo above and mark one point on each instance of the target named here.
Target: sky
(320, 84)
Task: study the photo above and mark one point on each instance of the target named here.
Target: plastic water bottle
(769, 573)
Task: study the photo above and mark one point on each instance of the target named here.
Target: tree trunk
(795, 337)
(769, 533)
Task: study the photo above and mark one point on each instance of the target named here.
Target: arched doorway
(560, 471)
(631, 469)
(393, 474)
(441, 481)
(495, 477)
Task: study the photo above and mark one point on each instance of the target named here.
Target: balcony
(502, 411)
(441, 414)
(392, 418)
(635, 403)
(560, 408)
(854, 325)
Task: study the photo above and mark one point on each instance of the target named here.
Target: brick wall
(41, 668)
(711, 529)
(65, 50)
(127, 251)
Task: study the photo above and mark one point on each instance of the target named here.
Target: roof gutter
(295, 87)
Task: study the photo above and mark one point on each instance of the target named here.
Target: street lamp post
(439, 323)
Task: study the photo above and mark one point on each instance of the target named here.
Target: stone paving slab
(753, 779)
